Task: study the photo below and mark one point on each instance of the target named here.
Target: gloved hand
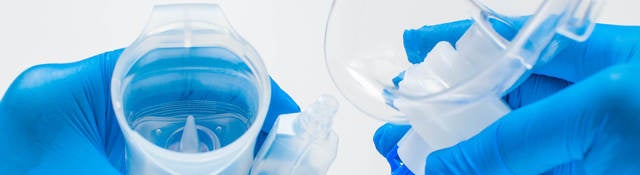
(58, 118)
(577, 114)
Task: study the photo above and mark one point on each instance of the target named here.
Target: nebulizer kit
(456, 91)
(191, 95)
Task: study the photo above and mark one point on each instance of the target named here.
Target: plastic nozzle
(189, 142)
(318, 117)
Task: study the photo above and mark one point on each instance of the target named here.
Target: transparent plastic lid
(366, 41)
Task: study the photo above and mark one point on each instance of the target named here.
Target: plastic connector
(300, 143)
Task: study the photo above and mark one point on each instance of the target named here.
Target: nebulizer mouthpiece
(190, 94)
(456, 91)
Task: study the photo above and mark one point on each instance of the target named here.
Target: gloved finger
(59, 119)
(608, 45)
(387, 136)
(419, 42)
(573, 124)
(534, 88)
(281, 103)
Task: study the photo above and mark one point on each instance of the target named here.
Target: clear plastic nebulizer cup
(190, 94)
(389, 61)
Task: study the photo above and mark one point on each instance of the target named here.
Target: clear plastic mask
(365, 52)
(389, 60)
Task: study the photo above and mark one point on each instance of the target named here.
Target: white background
(287, 33)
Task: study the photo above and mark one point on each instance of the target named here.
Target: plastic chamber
(190, 94)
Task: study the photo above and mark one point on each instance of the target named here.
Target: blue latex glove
(58, 118)
(577, 114)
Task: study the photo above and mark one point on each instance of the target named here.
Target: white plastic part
(190, 94)
(446, 130)
(412, 150)
(301, 143)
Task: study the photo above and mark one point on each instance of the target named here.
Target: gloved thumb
(387, 136)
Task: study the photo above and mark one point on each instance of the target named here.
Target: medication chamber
(190, 94)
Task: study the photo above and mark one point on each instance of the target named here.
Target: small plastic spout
(189, 142)
(300, 143)
(319, 116)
